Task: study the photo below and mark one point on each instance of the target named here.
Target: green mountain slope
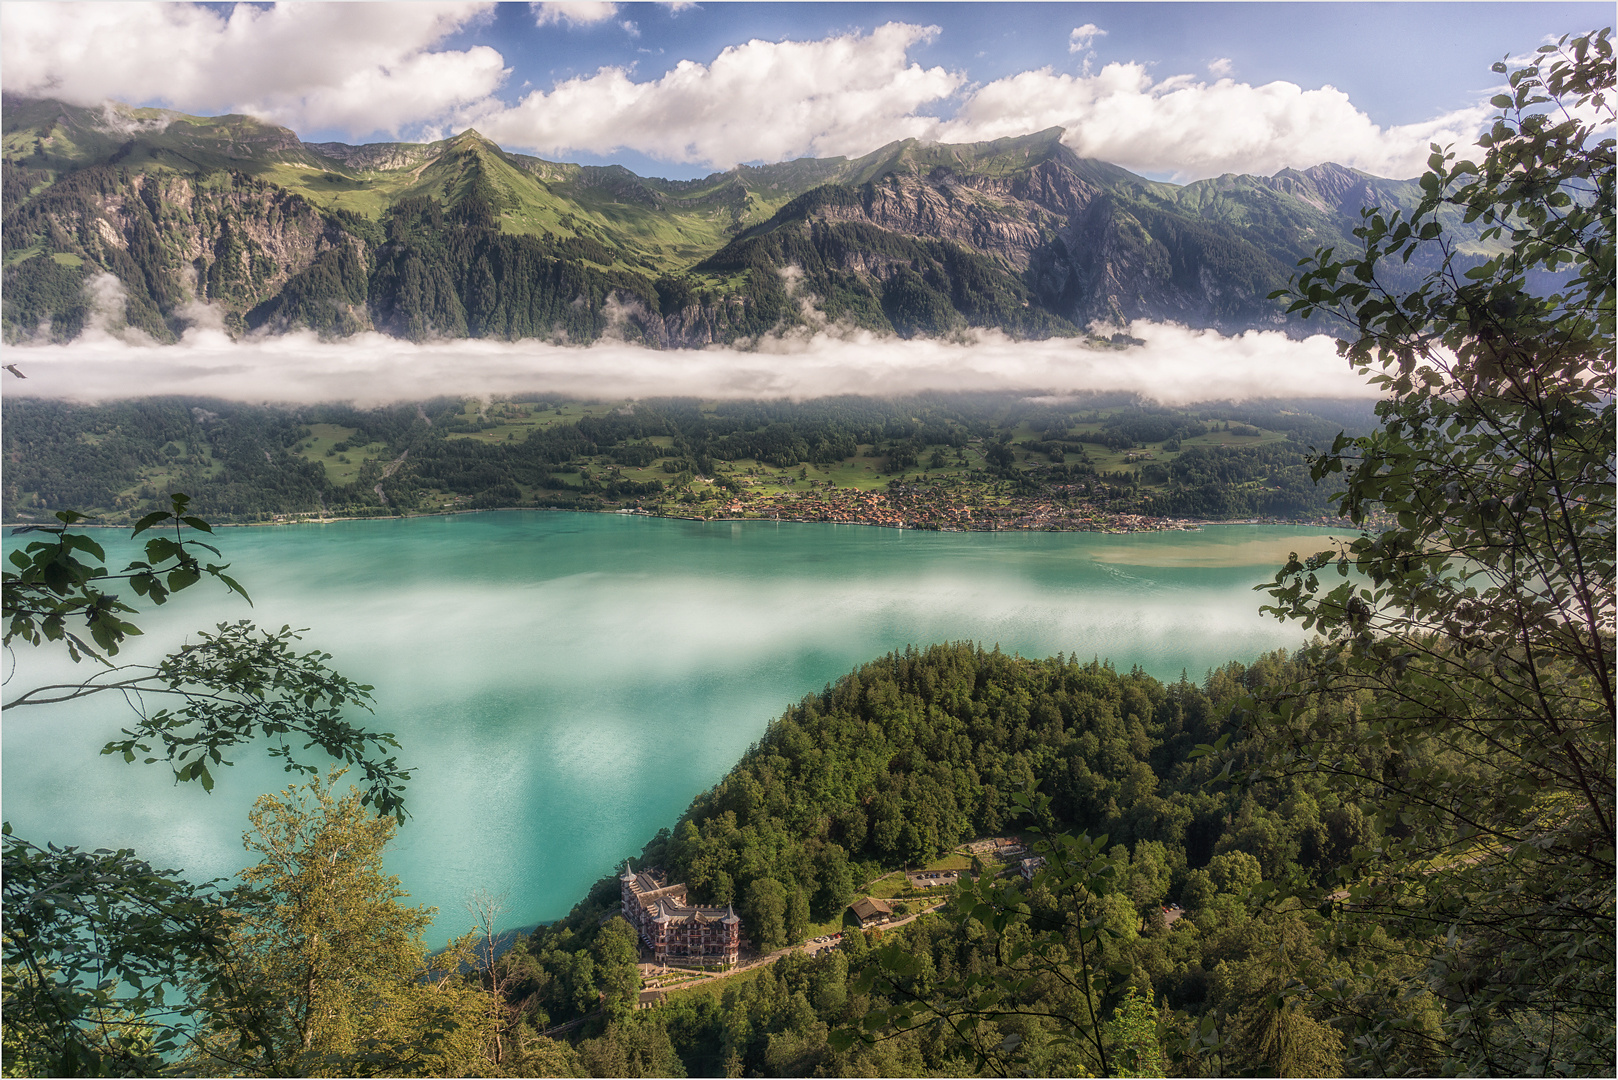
(459, 237)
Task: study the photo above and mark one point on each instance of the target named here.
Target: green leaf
(156, 517)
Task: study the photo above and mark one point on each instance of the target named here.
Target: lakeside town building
(675, 930)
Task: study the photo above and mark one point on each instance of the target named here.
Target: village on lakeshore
(937, 508)
(905, 508)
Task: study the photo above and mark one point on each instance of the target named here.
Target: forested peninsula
(898, 764)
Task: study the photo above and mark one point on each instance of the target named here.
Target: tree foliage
(111, 965)
(95, 943)
(946, 739)
(342, 979)
(232, 687)
(64, 578)
(1481, 622)
(1050, 933)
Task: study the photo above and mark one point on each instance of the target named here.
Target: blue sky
(1441, 61)
(1175, 91)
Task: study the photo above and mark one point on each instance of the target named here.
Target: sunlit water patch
(565, 683)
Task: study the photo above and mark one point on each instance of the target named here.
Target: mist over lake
(565, 683)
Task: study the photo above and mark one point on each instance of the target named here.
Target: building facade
(871, 911)
(675, 930)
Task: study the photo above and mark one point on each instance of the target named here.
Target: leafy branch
(62, 578)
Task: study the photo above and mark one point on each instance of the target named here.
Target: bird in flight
(13, 369)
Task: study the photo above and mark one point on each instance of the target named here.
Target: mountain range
(460, 238)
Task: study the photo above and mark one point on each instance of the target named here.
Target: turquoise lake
(565, 683)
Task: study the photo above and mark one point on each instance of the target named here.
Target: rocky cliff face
(1335, 188)
(377, 156)
(692, 327)
(1051, 186)
(244, 240)
(225, 238)
(1086, 254)
(948, 210)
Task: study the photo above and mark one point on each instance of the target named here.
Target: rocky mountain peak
(1019, 233)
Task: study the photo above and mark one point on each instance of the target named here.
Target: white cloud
(760, 100)
(362, 68)
(852, 93)
(355, 67)
(1176, 365)
(1220, 67)
(1079, 40)
(574, 12)
(109, 310)
(1191, 129)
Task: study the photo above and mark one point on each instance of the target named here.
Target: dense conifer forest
(920, 751)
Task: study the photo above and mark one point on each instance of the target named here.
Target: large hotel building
(673, 929)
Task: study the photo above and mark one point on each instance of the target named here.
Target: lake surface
(565, 683)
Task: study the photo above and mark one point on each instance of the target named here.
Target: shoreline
(1141, 523)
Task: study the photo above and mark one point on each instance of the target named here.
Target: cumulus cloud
(851, 93)
(355, 67)
(1080, 38)
(760, 100)
(367, 67)
(1191, 129)
(574, 12)
(1176, 365)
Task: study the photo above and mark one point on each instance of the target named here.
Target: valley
(961, 462)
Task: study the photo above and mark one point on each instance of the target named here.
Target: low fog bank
(1175, 366)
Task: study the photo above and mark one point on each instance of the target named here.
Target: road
(809, 947)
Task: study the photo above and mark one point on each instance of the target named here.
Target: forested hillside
(459, 238)
(918, 752)
(943, 461)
